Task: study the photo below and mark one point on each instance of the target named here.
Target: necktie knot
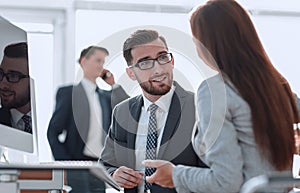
(153, 108)
(27, 121)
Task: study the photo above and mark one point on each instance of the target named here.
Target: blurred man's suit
(71, 116)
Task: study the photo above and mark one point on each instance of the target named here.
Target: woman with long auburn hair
(246, 112)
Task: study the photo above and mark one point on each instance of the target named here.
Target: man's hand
(127, 177)
(108, 77)
(163, 174)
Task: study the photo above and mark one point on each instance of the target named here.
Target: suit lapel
(81, 111)
(135, 107)
(5, 117)
(173, 119)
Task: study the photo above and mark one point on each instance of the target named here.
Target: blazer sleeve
(59, 122)
(223, 154)
(107, 157)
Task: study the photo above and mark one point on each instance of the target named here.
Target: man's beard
(150, 88)
(16, 102)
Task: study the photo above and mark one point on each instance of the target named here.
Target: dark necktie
(151, 142)
(27, 121)
(98, 92)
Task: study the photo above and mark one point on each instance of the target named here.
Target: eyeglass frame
(153, 63)
(19, 75)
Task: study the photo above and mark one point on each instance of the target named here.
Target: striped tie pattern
(151, 142)
(27, 121)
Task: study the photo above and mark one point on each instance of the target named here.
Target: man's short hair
(87, 52)
(17, 50)
(139, 37)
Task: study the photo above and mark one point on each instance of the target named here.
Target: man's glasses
(149, 63)
(12, 77)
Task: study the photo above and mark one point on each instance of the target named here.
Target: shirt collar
(17, 115)
(163, 102)
(88, 85)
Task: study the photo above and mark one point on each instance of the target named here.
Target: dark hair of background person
(226, 31)
(87, 52)
(139, 37)
(17, 50)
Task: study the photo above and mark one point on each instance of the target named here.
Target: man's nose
(4, 80)
(157, 67)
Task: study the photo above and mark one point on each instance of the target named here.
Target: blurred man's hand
(108, 77)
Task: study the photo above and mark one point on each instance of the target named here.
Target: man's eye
(145, 63)
(163, 57)
(13, 75)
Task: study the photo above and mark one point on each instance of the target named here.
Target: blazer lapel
(173, 119)
(135, 107)
(5, 117)
(81, 111)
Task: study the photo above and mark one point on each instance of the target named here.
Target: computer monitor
(18, 134)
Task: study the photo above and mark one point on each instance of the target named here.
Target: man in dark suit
(130, 138)
(83, 114)
(15, 103)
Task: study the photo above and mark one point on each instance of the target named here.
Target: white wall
(280, 36)
(111, 28)
(41, 70)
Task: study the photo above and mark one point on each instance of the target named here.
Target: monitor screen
(17, 101)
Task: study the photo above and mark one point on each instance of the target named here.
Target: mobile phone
(106, 75)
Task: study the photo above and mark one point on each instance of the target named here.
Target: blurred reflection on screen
(15, 108)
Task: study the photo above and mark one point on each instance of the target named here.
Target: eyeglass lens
(162, 59)
(11, 77)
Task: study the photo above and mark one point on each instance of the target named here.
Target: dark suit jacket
(5, 117)
(176, 143)
(71, 115)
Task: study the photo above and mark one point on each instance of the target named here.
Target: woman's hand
(163, 174)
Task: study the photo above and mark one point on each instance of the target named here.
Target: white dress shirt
(162, 111)
(16, 119)
(93, 146)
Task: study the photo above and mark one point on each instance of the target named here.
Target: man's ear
(130, 73)
(82, 62)
(173, 61)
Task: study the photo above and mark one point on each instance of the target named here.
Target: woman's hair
(226, 31)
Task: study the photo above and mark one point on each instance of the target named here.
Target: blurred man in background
(83, 114)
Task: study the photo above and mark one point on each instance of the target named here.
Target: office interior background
(59, 29)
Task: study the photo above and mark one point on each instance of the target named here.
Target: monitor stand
(3, 156)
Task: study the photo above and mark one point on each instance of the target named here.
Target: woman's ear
(130, 73)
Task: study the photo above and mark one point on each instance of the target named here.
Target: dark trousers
(81, 181)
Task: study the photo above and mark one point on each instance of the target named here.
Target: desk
(51, 175)
(37, 175)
